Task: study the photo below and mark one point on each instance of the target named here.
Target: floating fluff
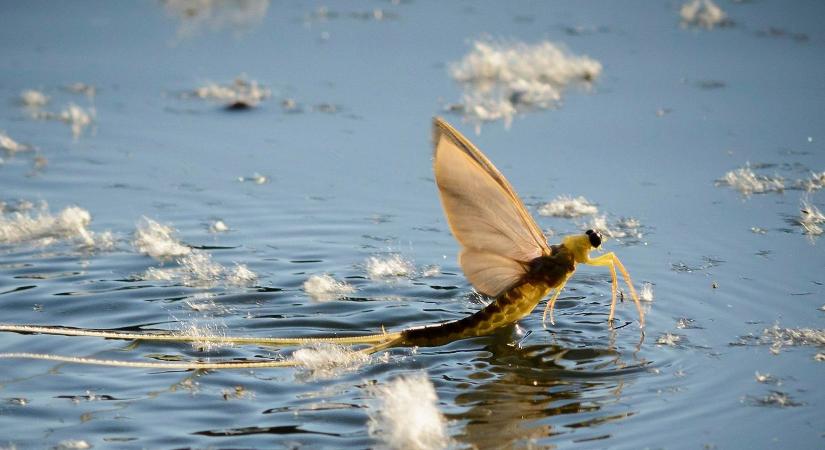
(10, 145)
(777, 399)
(389, 267)
(195, 267)
(325, 287)
(646, 293)
(218, 226)
(669, 339)
(405, 414)
(33, 98)
(810, 218)
(198, 269)
(431, 271)
(241, 93)
(766, 378)
(502, 79)
(747, 182)
(241, 275)
(779, 336)
(73, 444)
(327, 360)
(158, 241)
(77, 118)
(703, 13)
(565, 206)
(43, 228)
(814, 183)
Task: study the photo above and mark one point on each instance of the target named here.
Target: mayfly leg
(612, 261)
(551, 304)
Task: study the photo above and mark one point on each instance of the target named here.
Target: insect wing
(489, 273)
(498, 235)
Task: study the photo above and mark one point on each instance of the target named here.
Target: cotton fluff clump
(811, 218)
(241, 92)
(158, 241)
(814, 183)
(10, 145)
(646, 293)
(218, 226)
(198, 269)
(393, 266)
(240, 275)
(747, 182)
(406, 415)
(779, 337)
(195, 268)
(324, 287)
(564, 206)
(73, 444)
(503, 79)
(669, 339)
(702, 13)
(75, 116)
(33, 99)
(41, 227)
(328, 360)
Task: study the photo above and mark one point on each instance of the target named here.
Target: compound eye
(595, 238)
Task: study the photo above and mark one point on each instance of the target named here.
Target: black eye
(595, 238)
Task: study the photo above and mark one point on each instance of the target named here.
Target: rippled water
(341, 173)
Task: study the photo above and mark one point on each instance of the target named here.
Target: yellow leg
(614, 288)
(612, 261)
(552, 303)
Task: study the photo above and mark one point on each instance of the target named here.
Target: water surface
(349, 178)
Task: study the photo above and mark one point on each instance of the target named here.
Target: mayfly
(504, 255)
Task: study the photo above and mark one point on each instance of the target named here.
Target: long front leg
(612, 261)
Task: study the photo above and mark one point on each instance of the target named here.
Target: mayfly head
(580, 245)
(594, 237)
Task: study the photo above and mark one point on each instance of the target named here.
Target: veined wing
(498, 235)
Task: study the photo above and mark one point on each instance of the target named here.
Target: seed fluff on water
(405, 414)
(502, 79)
(565, 206)
(329, 360)
(38, 226)
(325, 287)
(389, 267)
(158, 241)
(703, 13)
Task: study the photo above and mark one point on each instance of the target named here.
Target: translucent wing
(498, 235)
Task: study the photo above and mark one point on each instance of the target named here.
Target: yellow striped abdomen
(514, 304)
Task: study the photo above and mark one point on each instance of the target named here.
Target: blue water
(357, 182)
